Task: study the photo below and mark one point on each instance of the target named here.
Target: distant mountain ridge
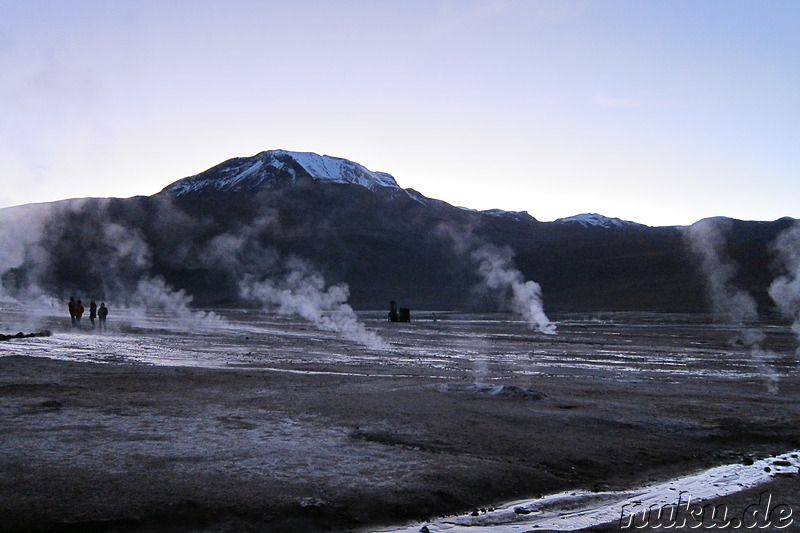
(202, 233)
(278, 168)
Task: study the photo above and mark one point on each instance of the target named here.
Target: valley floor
(265, 424)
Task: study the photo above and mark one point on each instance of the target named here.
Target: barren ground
(296, 430)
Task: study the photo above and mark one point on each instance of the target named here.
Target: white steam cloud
(496, 267)
(707, 241)
(156, 294)
(291, 287)
(302, 291)
(121, 260)
(500, 278)
(785, 289)
(20, 229)
(125, 278)
(114, 255)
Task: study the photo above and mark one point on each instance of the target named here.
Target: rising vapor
(785, 289)
(155, 293)
(302, 291)
(290, 286)
(707, 241)
(115, 251)
(500, 278)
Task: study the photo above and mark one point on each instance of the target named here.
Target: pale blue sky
(662, 112)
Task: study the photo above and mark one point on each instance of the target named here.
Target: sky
(662, 112)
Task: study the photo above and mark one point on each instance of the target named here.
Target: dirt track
(131, 447)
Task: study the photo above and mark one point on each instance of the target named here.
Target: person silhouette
(92, 312)
(72, 305)
(78, 313)
(102, 313)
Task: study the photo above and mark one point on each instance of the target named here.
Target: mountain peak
(593, 220)
(274, 168)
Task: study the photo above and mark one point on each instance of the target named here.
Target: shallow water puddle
(569, 511)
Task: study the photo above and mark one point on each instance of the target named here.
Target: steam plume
(20, 229)
(785, 289)
(495, 266)
(707, 241)
(301, 291)
(154, 293)
(500, 277)
(289, 287)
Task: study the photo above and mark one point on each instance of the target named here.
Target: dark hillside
(385, 242)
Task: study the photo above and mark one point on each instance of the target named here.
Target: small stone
(312, 503)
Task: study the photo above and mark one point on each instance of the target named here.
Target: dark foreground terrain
(300, 431)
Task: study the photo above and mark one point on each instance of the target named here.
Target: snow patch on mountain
(255, 167)
(593, 220)
(519, 216)
(279, 167)
(326, 168)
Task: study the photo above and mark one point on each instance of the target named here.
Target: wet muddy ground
(254, 422)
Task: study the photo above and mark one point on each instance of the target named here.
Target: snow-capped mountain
(593, 220)
(275, 168)
(357, 227)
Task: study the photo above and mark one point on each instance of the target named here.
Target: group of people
(76, 311)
